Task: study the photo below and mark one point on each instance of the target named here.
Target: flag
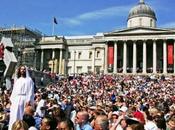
(170, 54)
(55, 20)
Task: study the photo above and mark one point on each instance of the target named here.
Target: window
(69, 55)
(98, 54)
(73, 55)
(151, 22)
(89, 68)
(97, 69)
(130, 23)
(90, 55)
(79, 55)
(69, 69)
(79, 69)
(140, 21)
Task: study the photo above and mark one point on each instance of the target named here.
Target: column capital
(164, 40)
(124, 41)
(154, 40)
(144, 40)
(116, 41)
(134, 41)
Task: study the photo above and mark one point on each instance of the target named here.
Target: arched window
(140, 21)
(90, 55)
(79, 55)
(98, 54)
(69, 55)
(130, 22)
(151, 22)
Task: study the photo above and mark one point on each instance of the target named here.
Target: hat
(115, 113)
(139, 116)
(123, 109)
(93, 107)
(131, 121)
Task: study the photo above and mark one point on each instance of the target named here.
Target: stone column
(93, 60)
(124, 57)
(164, 56)
(74, 62)
(103, 59)
(115, 58)
(134, 57)
(106, 59)
(35, 58)
(144, 57)
(174, 55)
(154, 57)
(60, 61)
(53, 53)
(66, 60)
(42, 57)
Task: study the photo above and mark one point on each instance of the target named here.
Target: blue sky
(79, 17)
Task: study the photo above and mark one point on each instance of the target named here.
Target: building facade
(141, 47)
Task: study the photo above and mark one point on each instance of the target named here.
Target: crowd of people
(90, 102)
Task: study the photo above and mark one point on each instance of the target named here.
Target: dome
(141, 10)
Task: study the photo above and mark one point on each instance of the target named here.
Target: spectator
(20, 125)
(66, 124)
(47, 123)
(101, 123)
(171, 123)
(82, 120)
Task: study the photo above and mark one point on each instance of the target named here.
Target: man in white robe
(22, 95)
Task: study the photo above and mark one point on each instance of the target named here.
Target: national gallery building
(139, 48)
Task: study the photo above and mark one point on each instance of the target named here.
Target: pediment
(140, 30)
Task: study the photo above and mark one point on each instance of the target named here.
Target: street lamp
(74, 61)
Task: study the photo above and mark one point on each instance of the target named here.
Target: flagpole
(53, 27)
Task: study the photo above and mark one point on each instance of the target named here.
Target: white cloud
(98, 14)
(169, 25)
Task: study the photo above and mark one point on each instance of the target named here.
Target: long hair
(17, 125)
(19, 73)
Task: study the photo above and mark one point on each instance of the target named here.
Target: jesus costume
(22, 94)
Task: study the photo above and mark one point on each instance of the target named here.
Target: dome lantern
(141, 1)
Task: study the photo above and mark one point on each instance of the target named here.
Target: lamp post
(74, 61)
(19, 56)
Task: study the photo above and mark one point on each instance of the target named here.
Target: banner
(170, 54)
(110, 55)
